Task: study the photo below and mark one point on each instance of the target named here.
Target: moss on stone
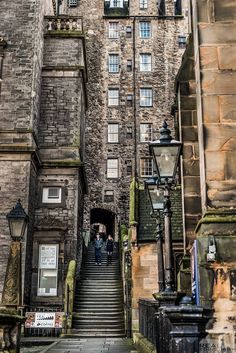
(132, 203)
(123, 232)
(69, 294)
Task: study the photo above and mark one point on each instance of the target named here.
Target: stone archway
(104, 217)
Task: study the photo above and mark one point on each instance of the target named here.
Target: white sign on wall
(44, 319)
(48, 256)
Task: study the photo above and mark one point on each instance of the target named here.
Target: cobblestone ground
(85, 345)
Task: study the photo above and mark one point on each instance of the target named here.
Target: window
(145, 97)
(146, 167)
(128, 167)
(145, 132)
(129, 99)
(48, 268)
(178, 8)
(113, 133)
(113, 63)
(129, 65)
(116, 3)
(72, 3)
(51, 194)
(144, 29)
(113, 31)
(161, 7)
(108, 196)
(182, 41)
(112, 168)
(113, 97)
(143, 4)
(129, 132)
(145, 62)
(128, 31)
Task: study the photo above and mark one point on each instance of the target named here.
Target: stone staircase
(98, 305)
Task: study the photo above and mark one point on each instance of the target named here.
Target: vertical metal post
(160, 260)
(169, 268)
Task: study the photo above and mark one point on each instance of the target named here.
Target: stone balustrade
(60, 24)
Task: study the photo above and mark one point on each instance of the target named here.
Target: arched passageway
(104, 217)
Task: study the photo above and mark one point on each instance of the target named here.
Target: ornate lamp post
(166, 153)
(157, 203)
(12, 291)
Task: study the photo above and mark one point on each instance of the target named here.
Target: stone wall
(21, 28)
(144, 276)
(166, 57)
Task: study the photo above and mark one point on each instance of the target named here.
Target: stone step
(85, 333)
(90, 310)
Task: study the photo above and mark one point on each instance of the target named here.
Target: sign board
(43, 319)
(48, 256)
(194, 274)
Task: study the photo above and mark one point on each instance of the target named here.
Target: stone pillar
(186, 324)
(10, 324)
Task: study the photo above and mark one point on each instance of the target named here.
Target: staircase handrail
(69, 294)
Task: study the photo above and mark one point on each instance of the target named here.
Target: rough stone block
(190, 133)
(215, 165)
(225, 10)
(186, 118)
(219, 82)
(210, 107)
(227, 108)
(208, 58)
(227, 57)
(220, 137)
(230, 164)
(191, 185)
(217, 33)
(191, 167)
(192, 204)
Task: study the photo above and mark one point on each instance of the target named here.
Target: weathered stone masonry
(42, 114)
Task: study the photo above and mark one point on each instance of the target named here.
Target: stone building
(42, 118)
(134, 50)
(206, 96)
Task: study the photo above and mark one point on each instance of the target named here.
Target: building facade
(42, 118)
(206, 97)
(134, 50)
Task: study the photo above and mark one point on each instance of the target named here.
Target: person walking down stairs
(98, 242)
(109, 249)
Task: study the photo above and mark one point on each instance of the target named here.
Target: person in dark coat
(98, 242)
(109, 249)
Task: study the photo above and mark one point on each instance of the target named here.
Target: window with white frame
(145, 29)
(47, 270)
(145, 62)
(51, 194)
(146, 167)
(116, 3)
(113, 133)
(108, 195)
(112, 168)
(72, 3)
(143, 4)
(113, 30)
(113, 63)
(145, 132)
(146, 97)
(113, 97)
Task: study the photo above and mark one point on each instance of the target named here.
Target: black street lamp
(12, 290)
(166, 153)
(17, 221)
